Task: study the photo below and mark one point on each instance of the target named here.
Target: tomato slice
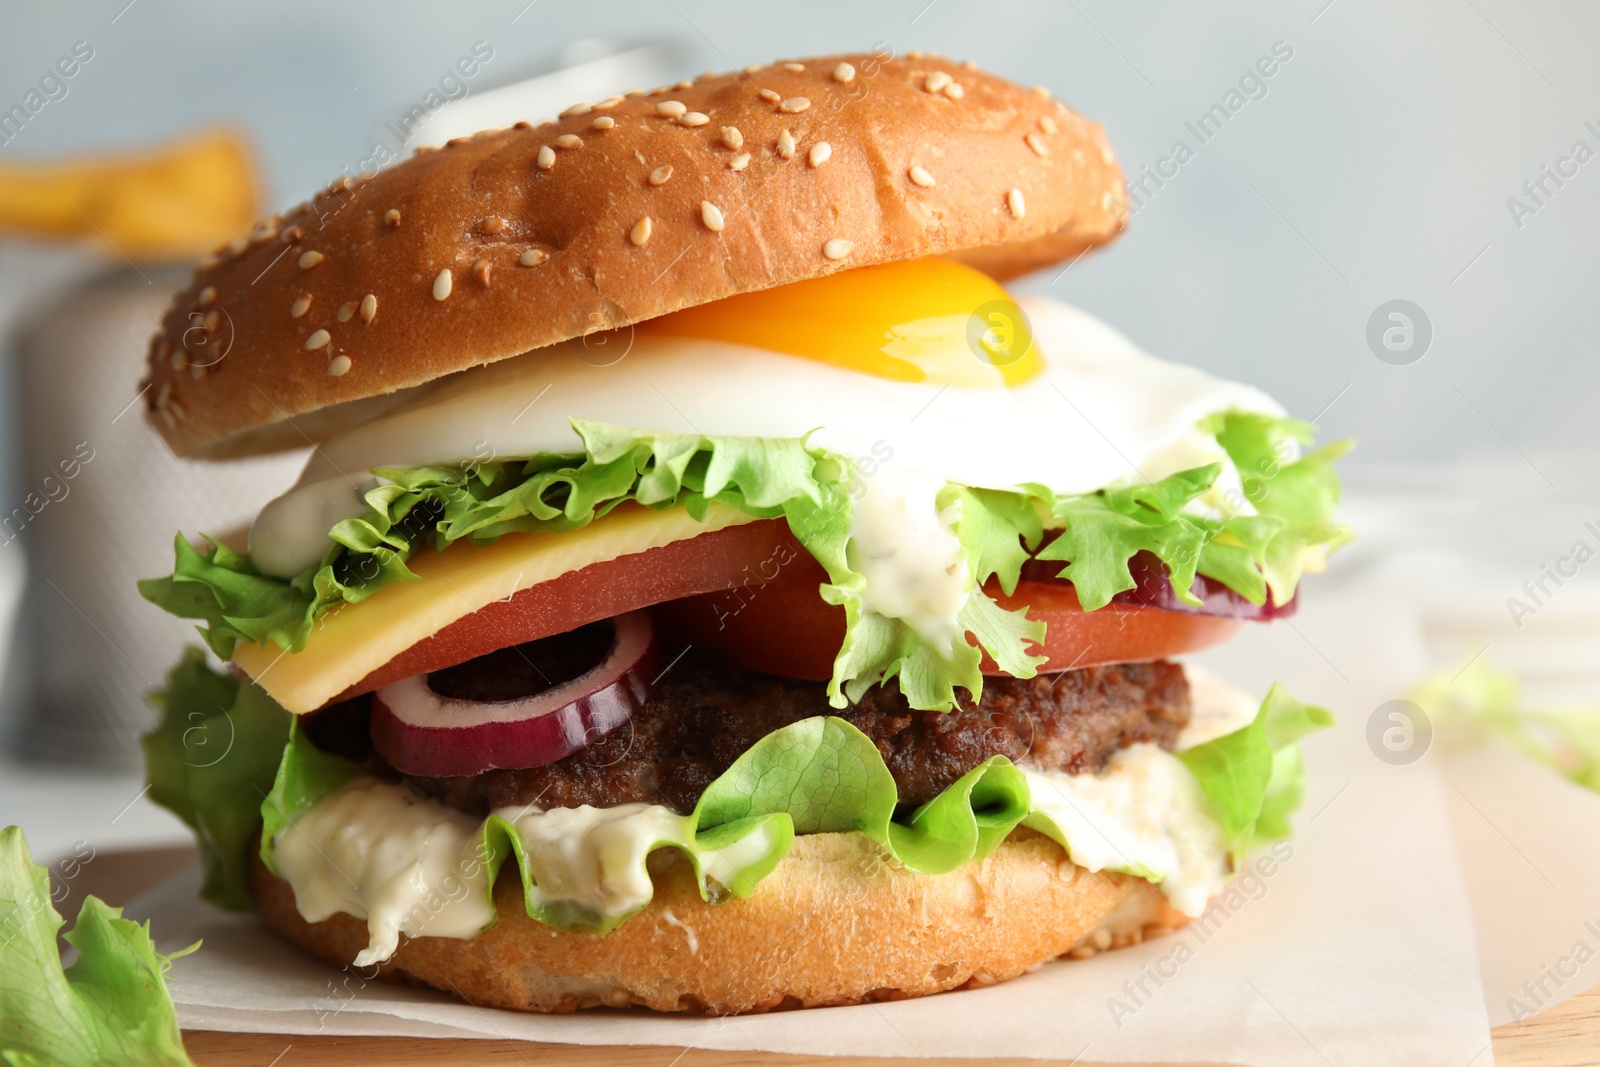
(723, 559)
(749, 593)
(780, 625)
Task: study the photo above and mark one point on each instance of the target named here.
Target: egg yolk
(919, 320)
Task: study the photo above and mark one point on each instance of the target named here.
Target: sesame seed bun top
(618, 211)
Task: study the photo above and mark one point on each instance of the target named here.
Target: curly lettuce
(109, 1009)
(1293, 498)
(1099, 533)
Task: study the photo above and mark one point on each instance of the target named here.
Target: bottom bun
(836, 923)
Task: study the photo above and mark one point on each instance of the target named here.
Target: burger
(709, 589)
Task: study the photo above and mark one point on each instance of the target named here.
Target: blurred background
(1393, 233)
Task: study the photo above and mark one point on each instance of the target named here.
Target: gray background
(1377, 166)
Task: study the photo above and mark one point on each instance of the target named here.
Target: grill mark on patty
(707, 712)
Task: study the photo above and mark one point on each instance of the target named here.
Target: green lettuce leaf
(1294, 500)
(1253, 778)
(211, 761)
(109, 1009)
(1487, 702)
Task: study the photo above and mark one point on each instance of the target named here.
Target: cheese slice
(353, 640)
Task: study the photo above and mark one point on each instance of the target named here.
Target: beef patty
(706, 712)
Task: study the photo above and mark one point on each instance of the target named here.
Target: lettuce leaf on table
(1487, 701)
(109, 1009)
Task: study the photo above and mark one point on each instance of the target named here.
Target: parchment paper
(1357, 949)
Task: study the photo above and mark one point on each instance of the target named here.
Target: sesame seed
(238, 245)
(1048, 124)
(177, 359)
(770, 96)
(1106, 155)
(755, 68)
(212, 321)
(954, 91)
(339, 366)
(820, 153)
(1105, 201)
(580, 108)
(920, 176)
(310, 259)
(608, 103)
(392, 217)
(794, 68)
(711, 215)
(546, 158)
(641, 231)
(347, 311)
(786, 145)
(492, 224)
(915, 53)
(301, 305)
(732, 137)
(208, 296)
(685, 84)
(441, 284)
(935, 81)
(317, 340)
(694, 118)
(740, 161)
(604, 122)
(1040, 90)
(671, 108)
(292, 234)
(369, 308)
(1015, 202)
(794, 105)
(1036, 143)
(837, 248)
(660, 175)
(569, 140)
(844, 73)
(532, 257)
(480, 271)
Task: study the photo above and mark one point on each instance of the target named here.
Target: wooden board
(1565, 1036)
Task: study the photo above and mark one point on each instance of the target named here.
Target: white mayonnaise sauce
(411, 865)
(406, 864)
(282, 543)
(1143, 813)
(902, 543)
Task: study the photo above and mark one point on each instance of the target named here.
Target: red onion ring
(423, 733)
